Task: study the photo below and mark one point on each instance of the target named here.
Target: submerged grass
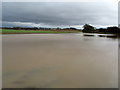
(11, 31)
(88, 35)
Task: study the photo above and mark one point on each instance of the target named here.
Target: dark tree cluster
(90, 29)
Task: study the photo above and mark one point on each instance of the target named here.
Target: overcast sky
(59, 14)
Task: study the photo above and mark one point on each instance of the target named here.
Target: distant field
(11, 31)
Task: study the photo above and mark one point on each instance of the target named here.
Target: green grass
(11, 31)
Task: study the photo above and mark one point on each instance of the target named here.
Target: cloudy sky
(59, 14)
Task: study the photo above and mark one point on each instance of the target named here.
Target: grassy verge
(11, 31)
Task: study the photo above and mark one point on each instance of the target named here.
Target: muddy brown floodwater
(59, 61)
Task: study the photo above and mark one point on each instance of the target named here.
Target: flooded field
(59, 61)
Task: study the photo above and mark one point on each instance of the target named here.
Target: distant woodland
(86, 29)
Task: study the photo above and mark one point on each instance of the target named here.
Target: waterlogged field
(59, 61)
(11, 31)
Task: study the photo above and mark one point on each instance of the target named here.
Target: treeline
(86, 29)
(109, 30)
(38, 28)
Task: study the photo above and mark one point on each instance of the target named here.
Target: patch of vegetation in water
(114, 36)
(109, 36)
(102, 35)
(88, 35)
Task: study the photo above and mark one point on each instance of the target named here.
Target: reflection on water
(59, 61)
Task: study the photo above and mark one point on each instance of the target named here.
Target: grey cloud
(59, 13)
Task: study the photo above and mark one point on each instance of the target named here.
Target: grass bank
(12, 31)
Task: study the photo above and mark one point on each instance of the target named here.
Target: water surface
(59, 61)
